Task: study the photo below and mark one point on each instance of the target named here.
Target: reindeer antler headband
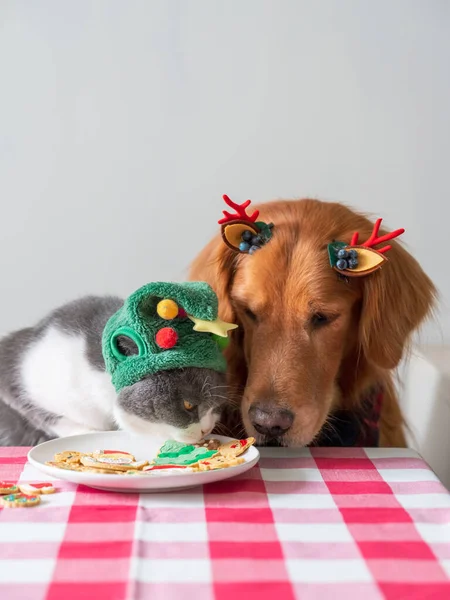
(242, 232)
(355, 260)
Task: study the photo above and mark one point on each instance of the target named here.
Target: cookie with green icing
(19, 500)
(176, 453)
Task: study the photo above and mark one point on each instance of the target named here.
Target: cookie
(219, 462)
(64, 465)
(7, 487)
(31, 489)
(236, 447)
(19, 501)
(176, 453)
(114, 457)
(172, 458)
(68, 456)
(209, 444)
(100, 471)
(89, 461)
(166, 469)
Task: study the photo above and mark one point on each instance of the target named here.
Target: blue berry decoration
(346, 259)
(244, 247)
(253, 249)
(256, 240)
(247, 235)
(343, 253)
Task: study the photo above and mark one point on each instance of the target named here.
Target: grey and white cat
(53, 384)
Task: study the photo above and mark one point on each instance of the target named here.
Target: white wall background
(123, 122)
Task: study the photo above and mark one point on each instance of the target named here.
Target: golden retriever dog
(314, 349)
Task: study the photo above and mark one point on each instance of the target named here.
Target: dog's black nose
(272, 422)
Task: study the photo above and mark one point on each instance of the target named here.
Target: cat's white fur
(56, 373)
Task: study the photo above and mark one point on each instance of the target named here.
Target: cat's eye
(188, 405)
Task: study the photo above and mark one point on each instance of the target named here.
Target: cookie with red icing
(114, 464)
(236, 447)
(7, 487)
(167, 469)
(31, 489)
(114, 457)
(219, 462)
(19, 500)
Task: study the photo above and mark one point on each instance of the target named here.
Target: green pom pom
(333, 250)
(265, 230)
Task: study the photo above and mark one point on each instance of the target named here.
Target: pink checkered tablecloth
(304, 524)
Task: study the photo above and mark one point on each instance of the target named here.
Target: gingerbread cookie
(219, 462)
(100, 471)
(117, 465)
(7, 487)
(31, 489)
(114, 457)
(236, 447)
(19, 501)
(64, 465)
(68, 456)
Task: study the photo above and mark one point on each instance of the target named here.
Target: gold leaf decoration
(232, 233)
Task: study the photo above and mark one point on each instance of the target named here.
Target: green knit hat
(173, 325)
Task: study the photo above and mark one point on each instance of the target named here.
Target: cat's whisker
(205, 383)
(222, 429)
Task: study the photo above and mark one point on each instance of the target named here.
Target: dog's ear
(396, 299)
(216, 264)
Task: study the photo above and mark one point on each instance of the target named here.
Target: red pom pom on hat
(166, 338)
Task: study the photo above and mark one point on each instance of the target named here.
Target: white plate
(143, 448)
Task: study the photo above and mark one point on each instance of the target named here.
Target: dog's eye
(250, 314)
(319, 320)
(188, 405)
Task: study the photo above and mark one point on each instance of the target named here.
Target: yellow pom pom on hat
(167, 309)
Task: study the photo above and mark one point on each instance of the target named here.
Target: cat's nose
(270, 420)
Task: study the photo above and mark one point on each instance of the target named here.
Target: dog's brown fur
(281, 355)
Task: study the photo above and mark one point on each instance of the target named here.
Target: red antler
(240, 212)
(374, 240)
